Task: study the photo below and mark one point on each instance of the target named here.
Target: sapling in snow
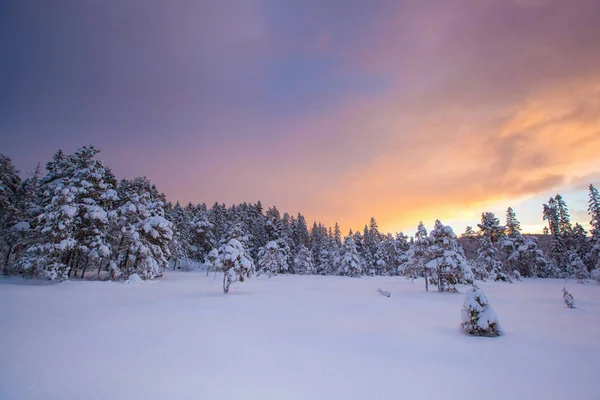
(568, 298)
(479, 318)
(383, 292)
(233, 259)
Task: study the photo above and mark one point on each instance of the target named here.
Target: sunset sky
(342, 110)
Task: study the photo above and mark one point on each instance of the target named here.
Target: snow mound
(134, 279)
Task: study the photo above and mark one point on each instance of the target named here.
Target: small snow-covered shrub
(479, 318)
(384, 292)
(235, 262)
(568, 298)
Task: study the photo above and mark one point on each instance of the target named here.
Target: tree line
(75, 219)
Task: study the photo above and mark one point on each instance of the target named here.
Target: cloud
(341, 110)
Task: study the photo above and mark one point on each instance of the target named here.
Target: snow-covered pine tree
(144, 233)
(576, 269)
(513, 226)
(488, 264)
(303, 263)
(418, 256)
(256, 229)
(478, 317)
(490, 227)
(527, 259)
(469, 233)
(364, 250)
(217, 216)
(350, 263)
(77, 201)
(328, 260)
(446, 259)
(19, 260)
(556, 213)
(57, 220)
(201, 231)
(371, 239)
(582, 245)
(10, 182)
(337, 235)
(286, 242)
(322, 255)
(96, 198)
(594, 212)
(300, 232)
(180, 247)
(397, 253)
(271, 259)
(273, 223)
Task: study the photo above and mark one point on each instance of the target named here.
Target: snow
(22, 226)
(134, 279)
(292, 337)
(69, 211)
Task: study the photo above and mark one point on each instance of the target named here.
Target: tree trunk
(124, 263)
(86, 266)
(8, 253)
(77, 265)
(426, 280)
(68, 263)
(225, 282)
(10, 247)
(119, 248)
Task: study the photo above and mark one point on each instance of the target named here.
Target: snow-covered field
(292, 337)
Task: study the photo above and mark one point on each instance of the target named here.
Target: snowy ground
(292, 337)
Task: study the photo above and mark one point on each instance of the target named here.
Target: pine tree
(57, 220)
(303, 263)
(337, 235)
(594, 211)
(301, 236)
(490, 227)
(523, 258)
(527, 259)
(446, 259)
(96, 198)
(142, 231)
(78, 202)
(419, 256)
(365, 245)
(513, 227)
(576, 269)
(271, 259)
(478, 317)
(350, 263)
(10, 183)
(201, 231)
(559, 222)
(488, 262)
(469, 233)
(181, 247)
(24, 232)
(582, 245)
